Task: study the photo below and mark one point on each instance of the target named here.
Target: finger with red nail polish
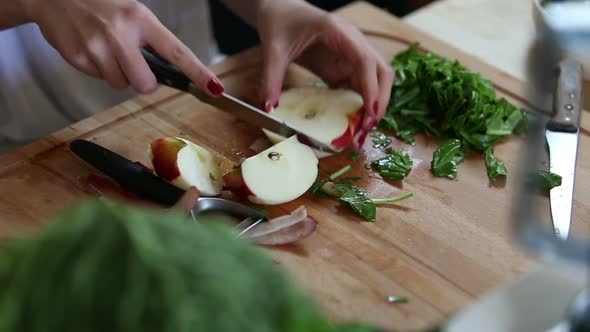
(215, 87)
(363, 138)
(267, 107)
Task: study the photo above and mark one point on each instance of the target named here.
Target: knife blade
(169, 75)
(562, 133)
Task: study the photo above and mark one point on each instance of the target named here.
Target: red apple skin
(354, 123)
(234, 182)
(164, 155)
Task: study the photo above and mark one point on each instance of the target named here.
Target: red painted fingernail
(267, 107)
(376, 106)
(215, 87)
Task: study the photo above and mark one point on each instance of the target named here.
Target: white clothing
(40, 93)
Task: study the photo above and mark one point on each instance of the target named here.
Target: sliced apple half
(331, 116)
(276, 175)
(186, 164)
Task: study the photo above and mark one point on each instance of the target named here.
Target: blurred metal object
(250, 217)
(549, 51)
(566, 29)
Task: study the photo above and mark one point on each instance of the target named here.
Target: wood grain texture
(442, 248)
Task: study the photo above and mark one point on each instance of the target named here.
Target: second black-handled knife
(131, 176)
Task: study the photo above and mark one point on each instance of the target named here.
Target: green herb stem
(397, 299)
(380, 201)
(340, 172)
(413, 112)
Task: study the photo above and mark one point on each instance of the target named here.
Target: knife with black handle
(131, 176)
(169, 75)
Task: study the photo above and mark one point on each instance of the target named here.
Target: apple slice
(277, 175)
(186, 164)
(276, 138)
(332, 116)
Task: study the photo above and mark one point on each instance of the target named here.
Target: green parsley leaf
(446, 159)
(353, 196)
(395, 166)
(380, 140)
(545, 180)
(494, 166)
(356, 198)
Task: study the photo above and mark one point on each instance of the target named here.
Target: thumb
(275, 61)
(188, 200)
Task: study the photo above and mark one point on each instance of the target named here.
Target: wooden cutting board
(442, 248)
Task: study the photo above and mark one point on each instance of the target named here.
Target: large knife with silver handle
(169, 75)
(562, 138)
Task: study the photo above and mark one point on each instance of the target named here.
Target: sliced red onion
(283, 230)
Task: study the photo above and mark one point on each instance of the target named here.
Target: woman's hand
(102, 38)
(327, 45)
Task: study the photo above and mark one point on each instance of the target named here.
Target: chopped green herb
(443, 99)
(395, 166)
(407, 136)
(446, 159)
(355, 156)
(318, 188)
(380, 140)
(545, 180)
(494, 166)
(380, 201)
(354, 197)
(340, 172)
(397, 299)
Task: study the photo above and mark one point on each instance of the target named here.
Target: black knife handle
(130, 176)
(567, 106)
(165, 72)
